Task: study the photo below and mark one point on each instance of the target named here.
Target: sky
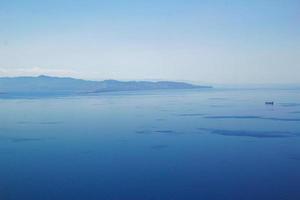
(204, 41)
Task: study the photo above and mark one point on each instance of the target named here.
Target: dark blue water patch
(191, 114)
(165, 131)
(254, 117)
(295, 112)
(295, 157)
(17, 140)
(233, 117)
(159, 146)
(24, 139)
(21, 139)
(249, 133)
(290, 104)
(282, 119)
(160, 119)
(41, 123)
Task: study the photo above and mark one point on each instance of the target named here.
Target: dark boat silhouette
(269, 102)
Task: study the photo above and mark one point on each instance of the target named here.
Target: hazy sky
(207, 41)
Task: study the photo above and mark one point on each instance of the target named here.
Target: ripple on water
(191, 114)
(290, 104)
(17, 140)
(254, 117)
(171, 132)
(233, 117)
(295, 112)
(249, 133)
(164, 131)
(295, 157)
(41, 123)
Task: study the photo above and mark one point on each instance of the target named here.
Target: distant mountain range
(46, 85)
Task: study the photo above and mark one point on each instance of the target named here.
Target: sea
(199, 144)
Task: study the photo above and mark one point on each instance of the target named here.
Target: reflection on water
(295, 112)
(295, 157)
(164, 131)
(246, 133)
(254, 117)
(120, 146)
(290, 104)
(25, 139)
(191, 114)
(233, 117)
(171, 132)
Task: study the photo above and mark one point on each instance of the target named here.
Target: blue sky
(203, 41)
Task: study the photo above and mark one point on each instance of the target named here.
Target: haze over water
(182, 144)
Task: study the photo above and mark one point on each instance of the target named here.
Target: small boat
(269, 102)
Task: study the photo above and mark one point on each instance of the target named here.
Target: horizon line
(158, 80)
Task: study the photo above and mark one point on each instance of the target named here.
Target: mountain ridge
(50, 85)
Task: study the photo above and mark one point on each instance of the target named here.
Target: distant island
(47, 85)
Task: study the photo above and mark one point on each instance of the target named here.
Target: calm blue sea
(154, 145)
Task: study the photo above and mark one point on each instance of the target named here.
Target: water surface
(170, 145)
